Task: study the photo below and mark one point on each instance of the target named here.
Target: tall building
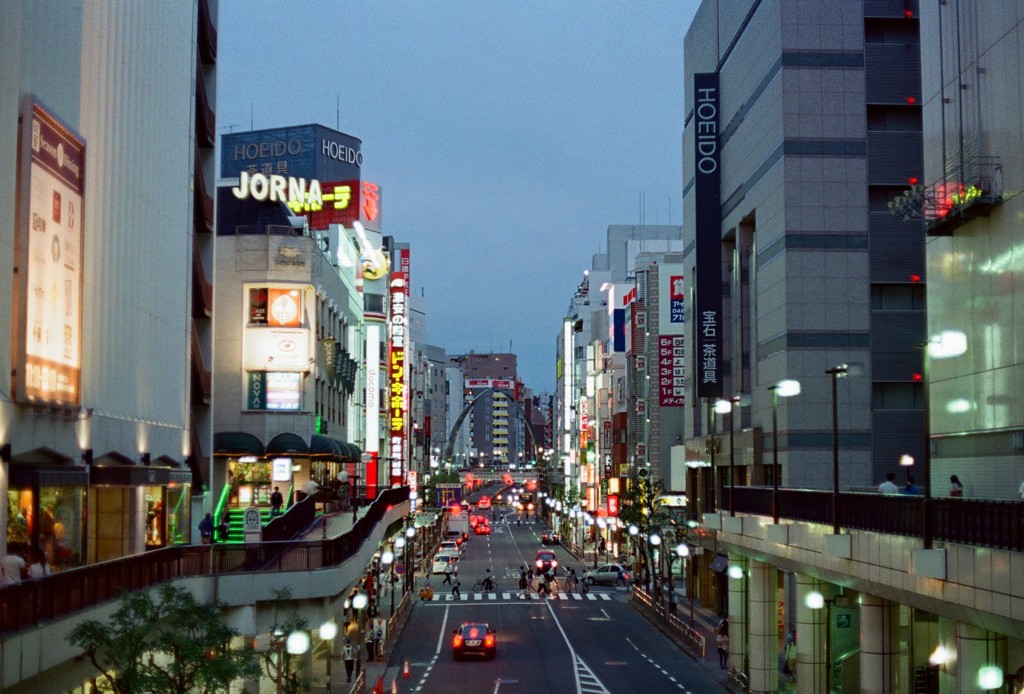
(107, 249)
(491, 379)
(802, 122)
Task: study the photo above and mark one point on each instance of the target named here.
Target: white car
(441, 560)
(451, 547)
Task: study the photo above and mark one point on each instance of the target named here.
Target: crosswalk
(514, 595)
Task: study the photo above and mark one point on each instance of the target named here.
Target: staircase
(236, 525)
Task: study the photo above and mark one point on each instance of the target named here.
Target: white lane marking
(444, 628)
(656, 666)
(580, 669)
(605, 613)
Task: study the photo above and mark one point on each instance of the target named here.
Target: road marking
(586, 680)
(657, 667)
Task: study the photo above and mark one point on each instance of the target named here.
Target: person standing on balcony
(956, 487)
(206, 529)
(889, 486)
(276, 502)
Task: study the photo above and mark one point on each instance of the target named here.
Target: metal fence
(981, 522)
(30, 603)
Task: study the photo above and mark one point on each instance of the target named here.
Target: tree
(280, 666)
(163, 640)
(641, 506)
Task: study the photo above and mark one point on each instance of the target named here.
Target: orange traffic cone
(379, 687)
(394, 686)
(405, 670)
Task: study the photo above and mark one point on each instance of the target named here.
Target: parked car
(549, 538)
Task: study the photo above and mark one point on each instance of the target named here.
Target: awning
(138, 476)
(287, 443)
(349, 451)
(324, 445)
(48, 476)
(720, 564)
(236, 443)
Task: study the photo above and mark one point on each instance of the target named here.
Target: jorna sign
(287, 189)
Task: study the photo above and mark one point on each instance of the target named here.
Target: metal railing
(691, 638)
(983, 522)
(30, 603)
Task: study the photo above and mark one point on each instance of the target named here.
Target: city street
(569, 643)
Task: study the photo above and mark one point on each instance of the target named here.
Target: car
(609, 574)
(545, 560)
(452, 546)
(473, 638)
(484, 502)
(549, 539)
(482, 529)
(456, 537)
(441, 561)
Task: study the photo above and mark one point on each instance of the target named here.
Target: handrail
(692, 638)
(28, 604)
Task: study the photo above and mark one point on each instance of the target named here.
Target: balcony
(960, 197)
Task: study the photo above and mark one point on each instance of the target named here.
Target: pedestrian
(571, 581)
(722, 641)
(378, 643)
(12, 567)
(910, 487)
(206, 530)
(370, 645)
(39, 567)
(348, 652)
(956, 487)
(447, 574)
(276, 502)
(523, 585)
(455, 587)
(586, 582)
(889, 486)
(790, 653)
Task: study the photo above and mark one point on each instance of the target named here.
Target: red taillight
(457, 641)
(489, 641)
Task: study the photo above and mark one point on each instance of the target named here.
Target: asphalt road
(594, 643)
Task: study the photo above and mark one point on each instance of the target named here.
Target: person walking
(348, 652)
(370, 645)
(447, 574)
(276, 502)
(523, 585)
(455, 587)
(722, 642)
(956, 487)
(206, 530)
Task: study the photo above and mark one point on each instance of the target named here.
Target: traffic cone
(394, 686)
(405, 670)
(379, 687)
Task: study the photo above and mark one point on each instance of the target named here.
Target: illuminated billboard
(47, 338)
(277, 335)
(396, 407)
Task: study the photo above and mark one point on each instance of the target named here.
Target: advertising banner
(396, 397)
(708, 215)
(48, 259)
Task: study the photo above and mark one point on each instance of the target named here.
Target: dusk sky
(506, 138)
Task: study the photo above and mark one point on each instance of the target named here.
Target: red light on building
(912, 180)
(916, 377)
(915, 278)
(911, 101)
(909, 14)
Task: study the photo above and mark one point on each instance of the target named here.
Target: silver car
(609, 574)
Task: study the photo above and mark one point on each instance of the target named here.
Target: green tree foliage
(163, 641)
(284, 669)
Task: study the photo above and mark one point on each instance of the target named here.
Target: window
(897, 396)
(897, 297)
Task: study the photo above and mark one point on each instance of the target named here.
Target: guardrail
(691, 638)
(28, 604)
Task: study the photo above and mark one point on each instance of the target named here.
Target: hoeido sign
(292, 191)
(708, 221)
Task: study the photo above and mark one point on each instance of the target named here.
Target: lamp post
(400, 547)
(729, 407)
(410, 553)
(784, 388)
(711, 446)
(328, 630)
(837, 372)
(387, 558)
(683, 552)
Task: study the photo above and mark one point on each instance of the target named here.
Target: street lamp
(654, 542)
(387, 558)
(410, 553)
(683, 552)
(784, 388)
(328, 630)
(837, 372)
(729, 407)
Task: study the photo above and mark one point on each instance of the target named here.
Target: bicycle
(486, 586)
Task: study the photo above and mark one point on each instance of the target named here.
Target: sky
(506, 138)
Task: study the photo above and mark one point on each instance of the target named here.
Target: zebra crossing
(514, 595)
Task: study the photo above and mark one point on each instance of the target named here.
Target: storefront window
(52, 521)
(250, 483)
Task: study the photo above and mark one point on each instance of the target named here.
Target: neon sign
(396, 406)
(273, 188)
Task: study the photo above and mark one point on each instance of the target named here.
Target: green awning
(287, 443)
(237, 443)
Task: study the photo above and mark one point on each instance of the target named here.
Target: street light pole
(785, 388)
(837, 372)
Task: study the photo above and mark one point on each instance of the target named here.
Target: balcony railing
(969, 192)
(980, 522)
(31, 603)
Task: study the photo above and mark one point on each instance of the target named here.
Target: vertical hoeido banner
(396, 404)
(48, 259)
(707, 216)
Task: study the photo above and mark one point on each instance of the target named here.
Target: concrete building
(886, 593)
(107, 250)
